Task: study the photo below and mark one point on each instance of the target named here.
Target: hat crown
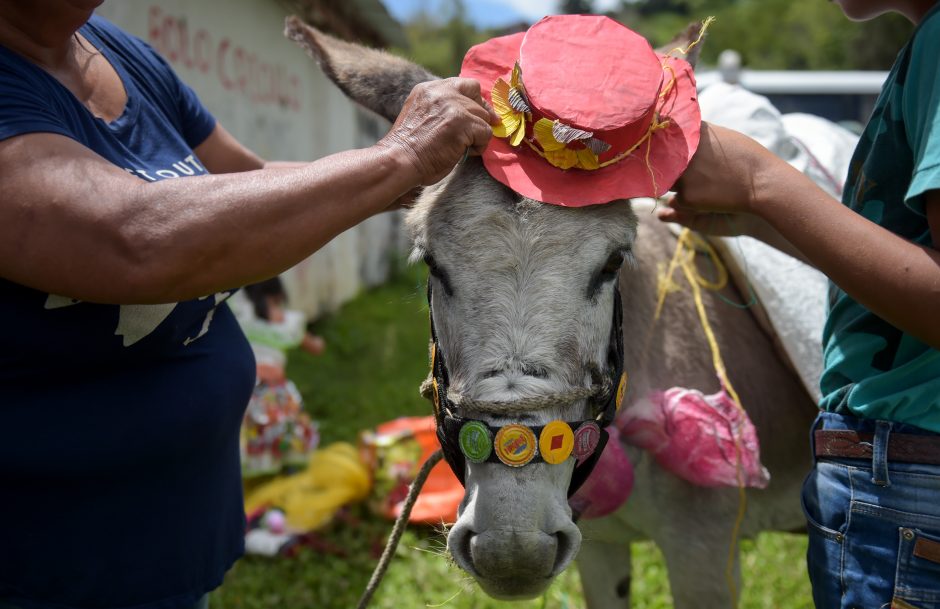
(590, 72)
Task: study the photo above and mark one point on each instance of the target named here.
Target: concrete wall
(269, 94)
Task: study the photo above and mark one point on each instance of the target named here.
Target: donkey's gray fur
(522, 309)
(524, 328)
(692, 525)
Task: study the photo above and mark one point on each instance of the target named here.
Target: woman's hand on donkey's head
(439, 124)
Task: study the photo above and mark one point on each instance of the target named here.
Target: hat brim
(650, 171)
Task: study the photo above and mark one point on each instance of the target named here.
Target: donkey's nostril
(458, 542)
(566, 548)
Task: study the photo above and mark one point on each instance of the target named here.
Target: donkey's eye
(613, 264)
(606, 273)
(438, 273)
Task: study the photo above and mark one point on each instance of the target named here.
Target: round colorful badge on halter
(556, 442)
(586, 438)
(515, 445)
(476, 441)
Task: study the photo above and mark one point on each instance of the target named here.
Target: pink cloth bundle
(609, 485)
(701, 438)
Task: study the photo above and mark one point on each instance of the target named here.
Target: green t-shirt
(871, 368)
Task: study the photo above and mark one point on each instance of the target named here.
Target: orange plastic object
(442, 492)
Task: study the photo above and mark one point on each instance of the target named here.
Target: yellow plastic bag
(334, 477)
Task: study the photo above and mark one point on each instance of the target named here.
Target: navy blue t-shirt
(120, 483)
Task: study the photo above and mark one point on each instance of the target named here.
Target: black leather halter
(604, 406)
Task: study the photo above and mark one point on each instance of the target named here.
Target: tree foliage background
(769, 34)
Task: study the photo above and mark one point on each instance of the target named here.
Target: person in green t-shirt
(872, 500)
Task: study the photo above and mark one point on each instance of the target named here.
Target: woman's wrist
(400, 161)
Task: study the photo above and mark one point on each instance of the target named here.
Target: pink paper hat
(590, 113)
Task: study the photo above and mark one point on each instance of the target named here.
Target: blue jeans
(874, 525)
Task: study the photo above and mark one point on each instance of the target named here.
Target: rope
(687, 246)
(701, 34)
(522, 405)
(400, 524)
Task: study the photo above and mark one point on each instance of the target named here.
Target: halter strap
(605, 400)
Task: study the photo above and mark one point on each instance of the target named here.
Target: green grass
(376, 357)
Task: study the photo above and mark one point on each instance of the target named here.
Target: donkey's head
(522, 298)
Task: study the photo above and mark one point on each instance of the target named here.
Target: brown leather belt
(906, 448)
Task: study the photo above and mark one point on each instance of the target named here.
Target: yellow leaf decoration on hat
(509, 104)
(566, 158)
(557, 153)
(587, 159)
(542, 130)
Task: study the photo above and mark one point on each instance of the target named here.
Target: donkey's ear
(682, 41)
(378, 80)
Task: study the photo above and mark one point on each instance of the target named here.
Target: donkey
(522, 301)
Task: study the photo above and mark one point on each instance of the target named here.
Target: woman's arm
(72, 223)
(222, 153)
(896, 279)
